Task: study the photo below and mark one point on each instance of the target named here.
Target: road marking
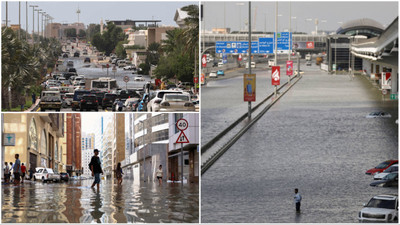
(37, 110)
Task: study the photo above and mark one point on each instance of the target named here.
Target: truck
(46, 174)
(308, 57)
(50, 100)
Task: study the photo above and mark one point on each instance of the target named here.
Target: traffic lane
(76, 202)
(222, 100)
(317, 139)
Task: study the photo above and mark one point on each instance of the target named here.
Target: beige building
(38, 139)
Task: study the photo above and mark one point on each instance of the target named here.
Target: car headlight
(389, 217)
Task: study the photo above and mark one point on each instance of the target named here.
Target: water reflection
(76, 202)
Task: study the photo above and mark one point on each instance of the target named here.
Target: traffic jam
(87, 80)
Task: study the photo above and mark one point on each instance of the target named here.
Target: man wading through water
(95, 167)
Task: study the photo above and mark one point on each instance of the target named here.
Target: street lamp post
(249, 102)
(26, 24)
(144, 155)
(38, 23)
(33, 22)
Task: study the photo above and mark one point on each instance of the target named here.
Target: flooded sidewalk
(76, 202)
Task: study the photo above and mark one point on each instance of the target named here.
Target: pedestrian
(31, 171)
(17, 169)
(11, 175)
(33, 98)
(95, 167)
(118, 173)
(297, 199)
(23, 171)
(159, 174)
(6, 173)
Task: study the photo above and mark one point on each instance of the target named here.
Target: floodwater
(76, 202)
(317, 139)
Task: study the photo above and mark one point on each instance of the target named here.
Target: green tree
(120, 50)
(81, 33)
(153, 55)
(109, 39)
(92, 30)
(70, 32)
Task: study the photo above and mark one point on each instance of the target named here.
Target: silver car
(176, 102)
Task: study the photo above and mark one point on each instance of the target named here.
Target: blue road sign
(266, 45)
(235, 47)
(283, 40)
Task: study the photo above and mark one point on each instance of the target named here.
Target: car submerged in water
(380, 208)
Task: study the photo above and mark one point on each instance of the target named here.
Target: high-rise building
(88, 141)
(74, 152)
(86, 157)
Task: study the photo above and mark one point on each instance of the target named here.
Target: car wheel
(43, 180)
(34, 178)
(42, 110)
(81, 109)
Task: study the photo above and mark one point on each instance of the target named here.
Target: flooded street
(76, 202)
(317, 139)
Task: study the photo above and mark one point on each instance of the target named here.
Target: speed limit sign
(182, 124)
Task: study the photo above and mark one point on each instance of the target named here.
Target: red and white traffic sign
(204, 60)
(240, 57)
(126, 79)
(182, 124)
(276, 75)
(182, 138)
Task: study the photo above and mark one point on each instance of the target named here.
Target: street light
(38, 10)
(33, 21)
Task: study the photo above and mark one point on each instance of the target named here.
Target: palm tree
(191, 31)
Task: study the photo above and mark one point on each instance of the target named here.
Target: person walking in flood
(95, 167)
(159, 174)
(23, 170)
(6, 173)
(297, 199)
(11, 177)
(118, 173)
(17, 169)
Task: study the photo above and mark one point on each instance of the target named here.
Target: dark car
(68, 75)
(99, 95)
(381, 167)
(390, 180)
(71, 70)
(76, 54)
(64, 176)
(215, 64)
(78, 94)
(108, 100)
(89, 102)
(65, 55)
(129, 93)
(86, 60)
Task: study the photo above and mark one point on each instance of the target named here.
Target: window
(43, 143)
(32, 137)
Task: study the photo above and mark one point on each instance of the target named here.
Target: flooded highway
(76, 202)
(316, 138)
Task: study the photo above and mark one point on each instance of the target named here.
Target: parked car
(213, 74)
(390, 180)
(131, 104)
(130, 67)
(381, 208)
(64, 176)
(381, 167)
(89, 102)
(139, 78)
(70, 63)
(50, 100)
(67, 99)
(76, 54)
(65, 55)
(154, 104)
(86, 60)
(220, 73)
(308, 63)
(176, 102)
(379, 115)
(45, 175)
(108, 100)
(391, 169)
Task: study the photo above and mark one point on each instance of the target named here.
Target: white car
(46, 174)
(220, 64)
(68, 98)
(378, 115)
(391, 169)
(253, 65)
(213, 74)
(176, 102)
(129, 67)
(381, 208)
(139, 78)
(271, 62)
(154, 104)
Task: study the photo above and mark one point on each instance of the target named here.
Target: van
(308, 57)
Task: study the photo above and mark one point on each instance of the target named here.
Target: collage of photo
(199, 112)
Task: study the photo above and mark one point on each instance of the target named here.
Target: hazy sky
(92, 12)
(264, 14)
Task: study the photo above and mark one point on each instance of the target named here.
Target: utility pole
(276, 34)
(290, 33)
(19, 20)
(249, 102)
(6, 14)
(33, 22)
(26, 16)
(38, 10)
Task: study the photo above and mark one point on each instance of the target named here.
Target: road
(316, 138)
(76, 202)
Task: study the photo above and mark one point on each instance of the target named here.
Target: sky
(92, 12)
(263, 14)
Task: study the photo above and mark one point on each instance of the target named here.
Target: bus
(105, 84)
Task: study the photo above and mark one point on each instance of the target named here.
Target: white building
(86, 157)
